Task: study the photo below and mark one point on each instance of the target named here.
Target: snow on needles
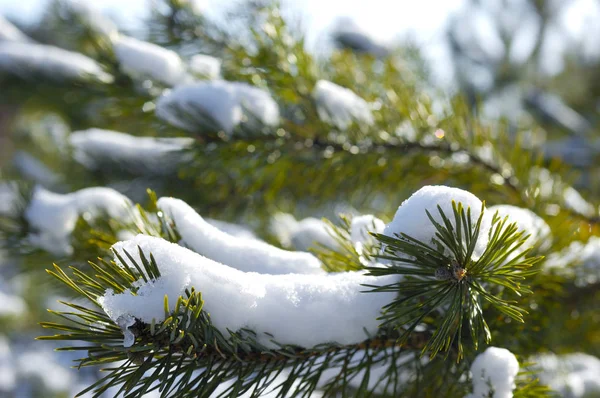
(93, 148)
(28, 60)
(411, 217)
(140, 58)
(302, 234)
(216, 105)
(526, 220)
(304, 310)
(494, 373)
(53, 216)
(9, 32)
(205, 66)
(340, 106)
(241, 253)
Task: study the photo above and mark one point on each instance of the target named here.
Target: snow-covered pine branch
(29, 60)
(97, 148)
(205, 66)
(244, 254)
(217, 106)
(296, 309)
(340, 106)
(141, 59)
(9, 32)
(493, 373)
(52, 217)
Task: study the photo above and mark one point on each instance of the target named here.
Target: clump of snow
(550, 185)
(9, 32)
(205, 66)
(53, 216)
(28, 60)
(571, 375)
(494, 373)
(538, 230)
(93, 148)
(302, 234)
(10, 305)
(89, 15)
(235, 230)
(303, 310)
(216, 105)
(586, 257)
(361, 228)
(34, 170)
(8, 374)
(244, 254)
(142, 59)
(9, 198)
(40, 366)
(411, 217)
(347, 34)
(340, 106)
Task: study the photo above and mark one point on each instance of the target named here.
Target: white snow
(527, 221)
(302, 234)
(8, 374)
(94, 147)
(53, 216)
(91, 16)
(585, 257)
(9, 32)
(142, 59)
(235, 230)
(34, 170)
(340, 106)
(29, 59)
(551, 184)
(411, 218)
(40, 366)
(244, 254)
(304, 310)
(360, 229)
(571, 375)
(349, 35)
(9, 197)
(205, 66)
(216, 105)
(10, 305)
(495, 366)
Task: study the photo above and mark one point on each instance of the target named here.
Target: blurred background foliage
(503, 120)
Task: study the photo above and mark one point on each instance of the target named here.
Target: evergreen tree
(222, 213)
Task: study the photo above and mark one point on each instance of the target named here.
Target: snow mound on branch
(362, 226)
(8, 374)
(586, 256)
(28, 60)
(142, 59)
(9, 32)
(216, 105)
(411, 217)
(205, 66)
(244, 254)
(526, 220)
(302, 234)
(571, 375)
(347, 34)
(340, 106)
(34, 170)
(494, 370)
(91, 16)
(53, 216)
(235, 230)
(304, 310)
(93, 148)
